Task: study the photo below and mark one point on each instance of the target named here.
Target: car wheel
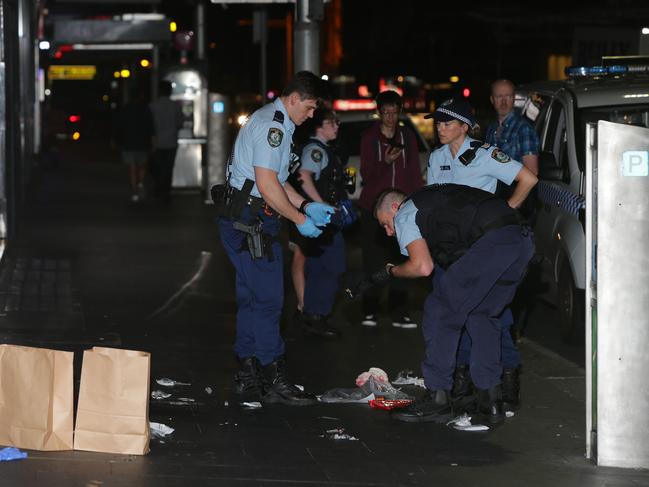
(571, 307)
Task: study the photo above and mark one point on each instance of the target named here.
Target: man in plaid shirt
(512, 133)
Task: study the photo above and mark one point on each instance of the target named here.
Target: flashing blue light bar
(595, 71)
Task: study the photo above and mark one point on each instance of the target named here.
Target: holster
(257, 243)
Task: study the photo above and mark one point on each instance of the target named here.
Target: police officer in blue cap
(255, 197)
(477, 239)
(463, 160)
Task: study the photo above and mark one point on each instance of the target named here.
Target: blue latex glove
(319, 212)
(309, 228)
(11, 453)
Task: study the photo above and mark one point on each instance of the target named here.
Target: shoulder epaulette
(278, 117)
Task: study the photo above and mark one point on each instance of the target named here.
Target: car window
(554, 138)
(637, 115)
(349, 135)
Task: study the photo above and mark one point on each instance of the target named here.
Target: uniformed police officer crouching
(253, 200)
(464, 160)
(322, 179)
(484, 250)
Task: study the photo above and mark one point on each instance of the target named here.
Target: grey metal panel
(591, 288)
(187, 166)
(97, 31)
(622, 267)
(218, 140)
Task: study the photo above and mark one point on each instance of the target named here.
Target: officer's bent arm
(531, 161)
(275, 195)
(308, 185)
(419, 263)
(525, 181)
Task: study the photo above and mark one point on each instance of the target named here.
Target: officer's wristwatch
(303, 206)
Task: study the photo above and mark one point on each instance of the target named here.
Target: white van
(560, 111)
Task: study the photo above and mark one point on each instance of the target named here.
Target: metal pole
(308, 14)
(200, 30)
(260, 35)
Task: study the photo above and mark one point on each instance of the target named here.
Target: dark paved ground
(89, 269)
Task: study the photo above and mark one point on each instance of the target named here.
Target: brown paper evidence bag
(36, 400)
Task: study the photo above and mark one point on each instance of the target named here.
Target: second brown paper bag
(113, 407)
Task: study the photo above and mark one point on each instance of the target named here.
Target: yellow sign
(68, 72)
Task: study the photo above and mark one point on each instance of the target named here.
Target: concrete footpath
(154, 278)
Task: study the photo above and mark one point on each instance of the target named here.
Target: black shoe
(433, 406)
(247, 381)
(278, 390)
(317, 325)
(490, 405)
(463, 391)
(511, 387)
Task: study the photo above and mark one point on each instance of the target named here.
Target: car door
(554, 194)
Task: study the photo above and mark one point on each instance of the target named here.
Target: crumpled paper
(170, 382)
(463, 423)
(11, 453)
(160, 430)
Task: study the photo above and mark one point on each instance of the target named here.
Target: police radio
(468, 155)
(294, 163)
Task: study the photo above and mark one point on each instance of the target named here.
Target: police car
(354, 120)
(560, 111)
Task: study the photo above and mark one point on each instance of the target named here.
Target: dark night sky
(478, 41)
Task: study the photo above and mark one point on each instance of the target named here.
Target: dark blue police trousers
(325, 263)
(472, 293)
(259, 290)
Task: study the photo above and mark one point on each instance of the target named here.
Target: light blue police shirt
(489, 165)
(405, 226)
(314, 158)
(263, 142)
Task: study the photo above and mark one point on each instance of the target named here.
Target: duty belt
(255, 203)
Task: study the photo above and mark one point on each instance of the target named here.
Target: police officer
(478, 241)
(256, 197)
(463, 160)
(322, 178)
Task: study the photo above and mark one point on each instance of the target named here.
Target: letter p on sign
(635, 163)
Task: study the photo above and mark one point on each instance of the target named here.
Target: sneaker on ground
(369, 320)
(404, 322)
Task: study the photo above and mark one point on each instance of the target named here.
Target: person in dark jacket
(389, 159)
(134, 129)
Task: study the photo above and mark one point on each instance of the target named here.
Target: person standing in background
(133, 132)
(389, 159)
(167, 121)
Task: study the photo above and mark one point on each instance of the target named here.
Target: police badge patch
(500, 156)
(316, 155)
(275, 137)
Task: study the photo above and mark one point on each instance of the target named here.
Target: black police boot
(433, 406)
(278, 390)
(490, 405)
(247, 380)
(511, 389)
(462, 392)
(317, 325)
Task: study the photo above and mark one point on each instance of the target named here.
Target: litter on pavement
(407, 377)
(463, 423)
(371, 384)
(11, 453)
(251, 404)
(160, 430)
(160, 395)
(338, 434)
(170, 382)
